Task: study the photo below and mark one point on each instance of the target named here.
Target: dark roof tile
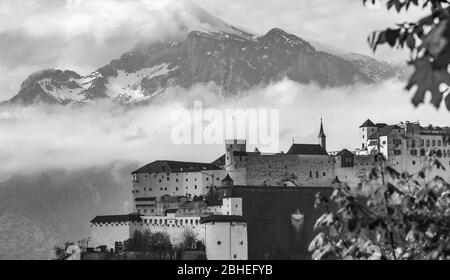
(222, 219)
(368, 123)
(134, 217)
(383, 131)
(307, 149)
(175, 166)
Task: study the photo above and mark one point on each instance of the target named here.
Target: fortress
(231, 204)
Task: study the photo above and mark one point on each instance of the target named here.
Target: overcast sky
(54, 34)
(35, 35)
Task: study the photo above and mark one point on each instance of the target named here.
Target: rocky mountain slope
(209, 51)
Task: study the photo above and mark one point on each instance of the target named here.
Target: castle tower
(232, 146)
(322, 138)
(365, 131)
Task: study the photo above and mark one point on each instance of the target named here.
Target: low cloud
(38, 138)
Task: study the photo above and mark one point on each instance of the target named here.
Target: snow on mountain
(378, 70)
(211, 51)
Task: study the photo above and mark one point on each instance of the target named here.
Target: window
(324, 174)
(433, 143)
(413, 162)
(414, 152)
(310, 174)
(422, 143)
(176, 188)
(317, 174)
(195, 187)
(428, 142)
(422, 152)
(160, 180)
(187, 180)
(439, 143)
(219, 243)
(397, 152)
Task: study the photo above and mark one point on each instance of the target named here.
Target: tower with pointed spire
(322, 137)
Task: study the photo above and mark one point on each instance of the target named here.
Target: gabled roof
(175, 166)
(222, 219)
(384, 131)
(307, 149)
(227, 179)
(220, 161)
(368, 123)
(345, 152)
(133, 217)
(381, 125)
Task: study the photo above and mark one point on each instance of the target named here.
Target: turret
(365, 130)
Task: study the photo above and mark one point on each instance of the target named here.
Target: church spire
(321, 133)
(322, 137)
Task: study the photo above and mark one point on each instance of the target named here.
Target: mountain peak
(279, 35)
(191, 17)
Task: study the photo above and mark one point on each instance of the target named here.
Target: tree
(428, 40)
(61, 251)
(189, 239)
(395, 216)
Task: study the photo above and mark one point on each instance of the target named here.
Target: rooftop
(133, 217)
(384, 131)
(175, 167)
(222, 219)
(307, 149)
(368, 123)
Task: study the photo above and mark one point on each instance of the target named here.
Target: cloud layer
(40, 138)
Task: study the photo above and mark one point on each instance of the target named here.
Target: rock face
(210, 51)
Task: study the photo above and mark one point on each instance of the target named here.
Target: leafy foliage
(394, 216)
(148, 242)
(61, 252)
(428, 41)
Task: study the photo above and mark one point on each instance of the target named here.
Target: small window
(219, 243)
